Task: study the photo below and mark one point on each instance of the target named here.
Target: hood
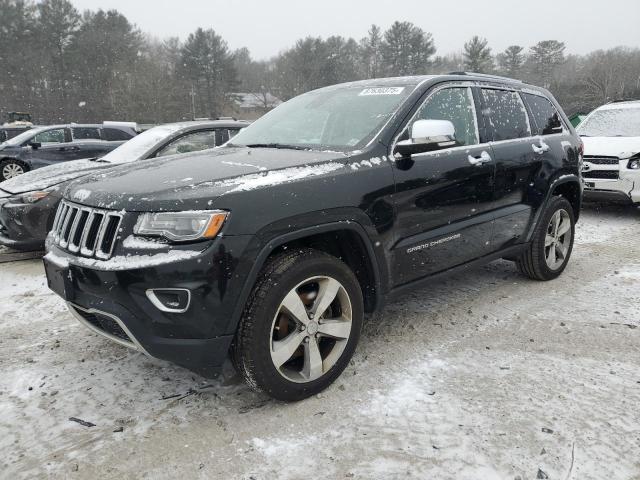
(43, 178)
(622, 147)
(194, 181)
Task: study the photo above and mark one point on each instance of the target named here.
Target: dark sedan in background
(28, 203)
(42, 146)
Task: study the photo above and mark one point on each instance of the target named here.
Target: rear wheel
(549, 252)
(11, 168)
(300, 326)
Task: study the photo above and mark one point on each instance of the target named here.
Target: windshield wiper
(276, 145)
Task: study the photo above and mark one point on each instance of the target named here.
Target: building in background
(252, 105)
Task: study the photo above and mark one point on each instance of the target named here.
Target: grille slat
(605, 174)
(602, 160)
(90, 231)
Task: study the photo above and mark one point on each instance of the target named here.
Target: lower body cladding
(24, 226)
(180, 311)
(625, 189)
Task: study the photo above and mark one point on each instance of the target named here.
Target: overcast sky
(269, 26)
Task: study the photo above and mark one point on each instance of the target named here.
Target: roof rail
(485, 75)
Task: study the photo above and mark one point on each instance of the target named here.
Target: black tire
(532, 262)
(251, 350)
(10, 162)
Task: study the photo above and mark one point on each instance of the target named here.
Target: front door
(443, 198)
(52, 149)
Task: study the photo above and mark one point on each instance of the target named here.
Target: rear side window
(506, 114)
(114, 135)
(82, 133)
(545, 116)
(456, 105)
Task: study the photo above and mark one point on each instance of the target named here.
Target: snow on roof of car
(621, 104)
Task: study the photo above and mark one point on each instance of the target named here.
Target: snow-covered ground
(483, 375)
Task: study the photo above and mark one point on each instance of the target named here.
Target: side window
(456, 105)
(545, 116)
(506, 114)
(83, 133)
(50, 136)
(192, 142)
(114, 135)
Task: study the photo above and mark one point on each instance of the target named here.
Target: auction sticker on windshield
(382, 91)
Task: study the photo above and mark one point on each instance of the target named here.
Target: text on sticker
(382, 91)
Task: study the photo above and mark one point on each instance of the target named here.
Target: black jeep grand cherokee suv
(274, 247)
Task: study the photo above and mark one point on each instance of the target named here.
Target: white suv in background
(611, 136)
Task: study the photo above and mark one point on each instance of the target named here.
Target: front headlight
(634, 164)
(181, 226)
(33, 197)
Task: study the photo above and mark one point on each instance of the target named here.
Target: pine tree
(477, 55)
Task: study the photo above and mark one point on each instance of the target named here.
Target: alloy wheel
(311, 329)
(557, 242)
(11, 170)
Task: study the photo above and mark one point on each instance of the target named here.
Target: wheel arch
(565, 185)
(331, 238)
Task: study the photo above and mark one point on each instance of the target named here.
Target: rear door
(86, 143)
(443, 198)
(508, 126)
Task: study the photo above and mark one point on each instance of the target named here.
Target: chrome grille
(604, 174)
(602, 160)
(90, 231)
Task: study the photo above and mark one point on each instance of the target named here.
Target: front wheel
(549, 252)
(300, 326)
(11, 168)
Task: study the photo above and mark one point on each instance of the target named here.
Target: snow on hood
(43, 178)
(622, 147)
(195, 180)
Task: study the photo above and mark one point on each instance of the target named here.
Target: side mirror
(426, 136)
(35, 145)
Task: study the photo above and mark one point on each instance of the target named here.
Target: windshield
(343, 118)
(138, 146)
(24, 137)
(612, 122)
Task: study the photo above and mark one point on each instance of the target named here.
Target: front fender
(265, 243)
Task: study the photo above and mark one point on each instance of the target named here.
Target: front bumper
(622, 190)
(114, 303)
(24, 226)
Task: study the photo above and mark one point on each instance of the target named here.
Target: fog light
(170, 300)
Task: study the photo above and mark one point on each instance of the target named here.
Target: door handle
(481, 160)
(542, 148)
